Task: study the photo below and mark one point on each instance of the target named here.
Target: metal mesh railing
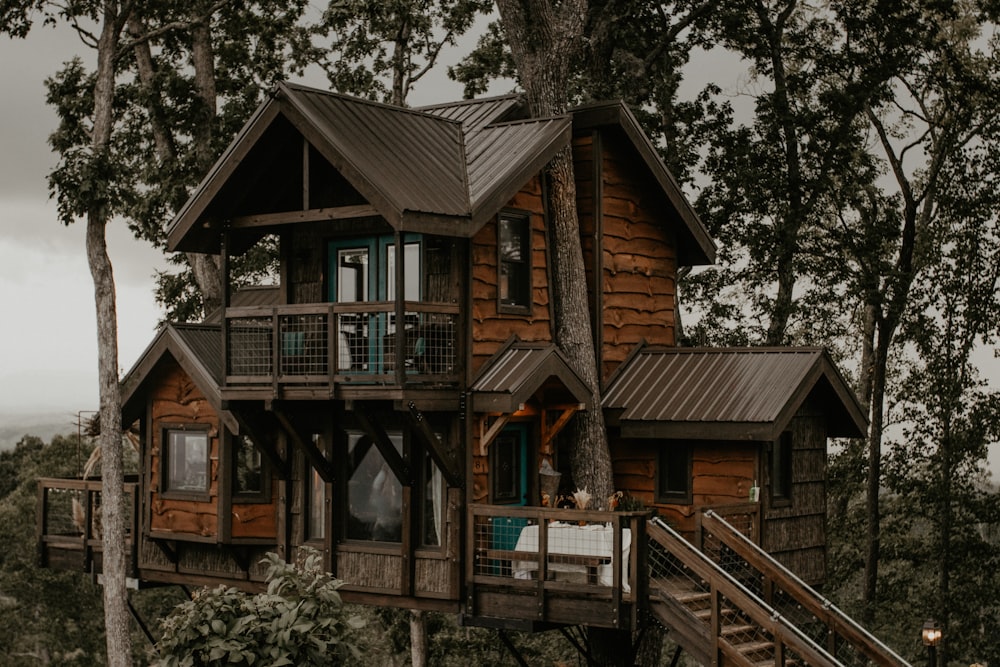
(810, 613)
(733, 616)
(299, 341)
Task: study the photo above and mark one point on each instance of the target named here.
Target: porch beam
(434, 447)
(550, 432)
(488, 436)
(385, 447)
(308, 215)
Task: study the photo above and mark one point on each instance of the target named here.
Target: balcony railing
(69, 523)
(556, 566)
(355, 343)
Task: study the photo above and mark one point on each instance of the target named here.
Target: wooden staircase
(735, 605)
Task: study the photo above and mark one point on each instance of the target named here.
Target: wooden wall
(175, 400)
(491, 329)
(638, 259)
(722, 475)
(795, 532)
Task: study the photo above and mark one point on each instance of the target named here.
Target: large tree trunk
(546, 39)
(116, 614)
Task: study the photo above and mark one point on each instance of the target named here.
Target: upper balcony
(340, 350)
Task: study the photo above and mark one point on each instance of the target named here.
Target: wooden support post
(434, 447)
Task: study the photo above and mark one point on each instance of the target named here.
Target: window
(674, 475)
(374, 495)
(185, 466)
(781, 468)
(514, 247)
(249, 475)
(433, 503)
(316, 497)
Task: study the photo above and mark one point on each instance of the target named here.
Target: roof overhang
(696, 246)
(518, 371)
(728, 394)
(182, 343)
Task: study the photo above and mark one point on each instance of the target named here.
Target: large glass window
(352, 274)
(674, 474)
(185, 462)
(513, 232)
(375, 496)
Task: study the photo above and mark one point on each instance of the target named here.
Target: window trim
(166, 492)
(525, 266)
(675, 497)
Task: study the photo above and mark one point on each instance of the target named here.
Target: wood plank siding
(177, 403)
(490, 328)
(722, 473)
(638, 257)
(795, 532)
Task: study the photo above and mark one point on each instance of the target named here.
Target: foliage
(300, 620)
(380, 50)
(47, 616)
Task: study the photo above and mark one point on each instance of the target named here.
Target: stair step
(737, 628)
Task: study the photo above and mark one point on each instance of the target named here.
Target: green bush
(300, 620)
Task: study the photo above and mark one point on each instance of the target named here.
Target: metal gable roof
(197, 348)
(517, 371)
(748, 393)
(452, 166)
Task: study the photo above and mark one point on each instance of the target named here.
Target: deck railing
(341, 342)
(561, 566)
(69, 523)
(819, 618)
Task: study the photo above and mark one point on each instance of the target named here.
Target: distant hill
(14, 426)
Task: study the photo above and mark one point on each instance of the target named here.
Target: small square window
(673, 479)
(514, 248)
(186, 465)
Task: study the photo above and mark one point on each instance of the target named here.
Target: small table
(575, 553)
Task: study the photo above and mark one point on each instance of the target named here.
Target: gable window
(674, 478)
(781, 468)
(514, 262)
(185, 466)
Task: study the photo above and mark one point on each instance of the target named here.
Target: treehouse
(391, 394)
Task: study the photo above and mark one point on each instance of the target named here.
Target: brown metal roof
(517, 371)
(446, 170)
(197, 348)
(744, 394)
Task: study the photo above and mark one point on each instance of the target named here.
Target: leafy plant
(300, 620)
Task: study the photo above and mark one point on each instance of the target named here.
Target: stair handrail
(799, 640)
(806, 595)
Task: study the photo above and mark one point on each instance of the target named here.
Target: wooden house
(390, 394)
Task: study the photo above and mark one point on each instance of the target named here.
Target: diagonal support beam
(550, 432)
(445, 462)
(385, 447)
(305, 443)
(487, 436)
(253, 426)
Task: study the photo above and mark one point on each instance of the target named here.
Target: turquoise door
(508, 486)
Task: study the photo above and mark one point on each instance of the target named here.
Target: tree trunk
(546, 39)
(116, 614)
